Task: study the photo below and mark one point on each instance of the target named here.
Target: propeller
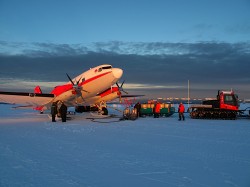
(76, 85)
(121, 87)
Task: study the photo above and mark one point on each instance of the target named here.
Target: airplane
(91, 88)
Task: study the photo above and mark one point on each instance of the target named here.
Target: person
(157, 109)
(138, 108)
(181, 111)
(63, 112)
(53, 111)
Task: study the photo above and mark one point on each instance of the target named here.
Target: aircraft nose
(117, 73)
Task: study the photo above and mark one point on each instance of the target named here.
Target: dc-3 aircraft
(91, 88)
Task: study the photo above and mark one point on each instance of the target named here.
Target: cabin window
(228, 97)
(100, 69)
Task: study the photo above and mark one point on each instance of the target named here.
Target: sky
(160, 44)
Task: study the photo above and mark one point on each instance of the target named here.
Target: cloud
(123, 48)
(147, 66)
(240, 28)
(27, 85)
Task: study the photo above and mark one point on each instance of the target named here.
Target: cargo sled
(167, 109)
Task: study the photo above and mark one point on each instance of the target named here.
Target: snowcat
(225, 106)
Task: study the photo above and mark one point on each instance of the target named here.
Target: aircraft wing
(34, 99)
(124, 96)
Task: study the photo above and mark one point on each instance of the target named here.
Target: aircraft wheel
(104, 111)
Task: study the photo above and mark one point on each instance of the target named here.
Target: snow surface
(146, 152)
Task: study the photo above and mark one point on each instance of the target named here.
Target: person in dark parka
(63, 112)
(54, 111)
(138, 108)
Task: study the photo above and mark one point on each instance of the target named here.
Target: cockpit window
(104, 67)
(107, 67)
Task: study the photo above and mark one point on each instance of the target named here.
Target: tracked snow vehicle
(225, 106)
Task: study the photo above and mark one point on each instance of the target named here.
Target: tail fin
(37, 90)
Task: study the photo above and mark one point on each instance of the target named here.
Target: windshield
(230, 100)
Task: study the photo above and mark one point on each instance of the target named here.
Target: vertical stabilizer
(37, 90)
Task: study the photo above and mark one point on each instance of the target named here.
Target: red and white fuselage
(92, 82)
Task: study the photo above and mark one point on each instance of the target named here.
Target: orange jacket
(181, 108)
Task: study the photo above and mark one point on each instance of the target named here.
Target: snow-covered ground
(146, 152)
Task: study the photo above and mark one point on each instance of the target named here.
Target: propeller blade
(85, 91)
(78, 81)
(124, 91)
(79, 89)
(122, 83)
(70, 79)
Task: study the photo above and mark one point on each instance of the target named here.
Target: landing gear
(104, 111)
(102, 108)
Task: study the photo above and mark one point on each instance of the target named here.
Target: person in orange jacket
(157, 109)
(181, 111)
